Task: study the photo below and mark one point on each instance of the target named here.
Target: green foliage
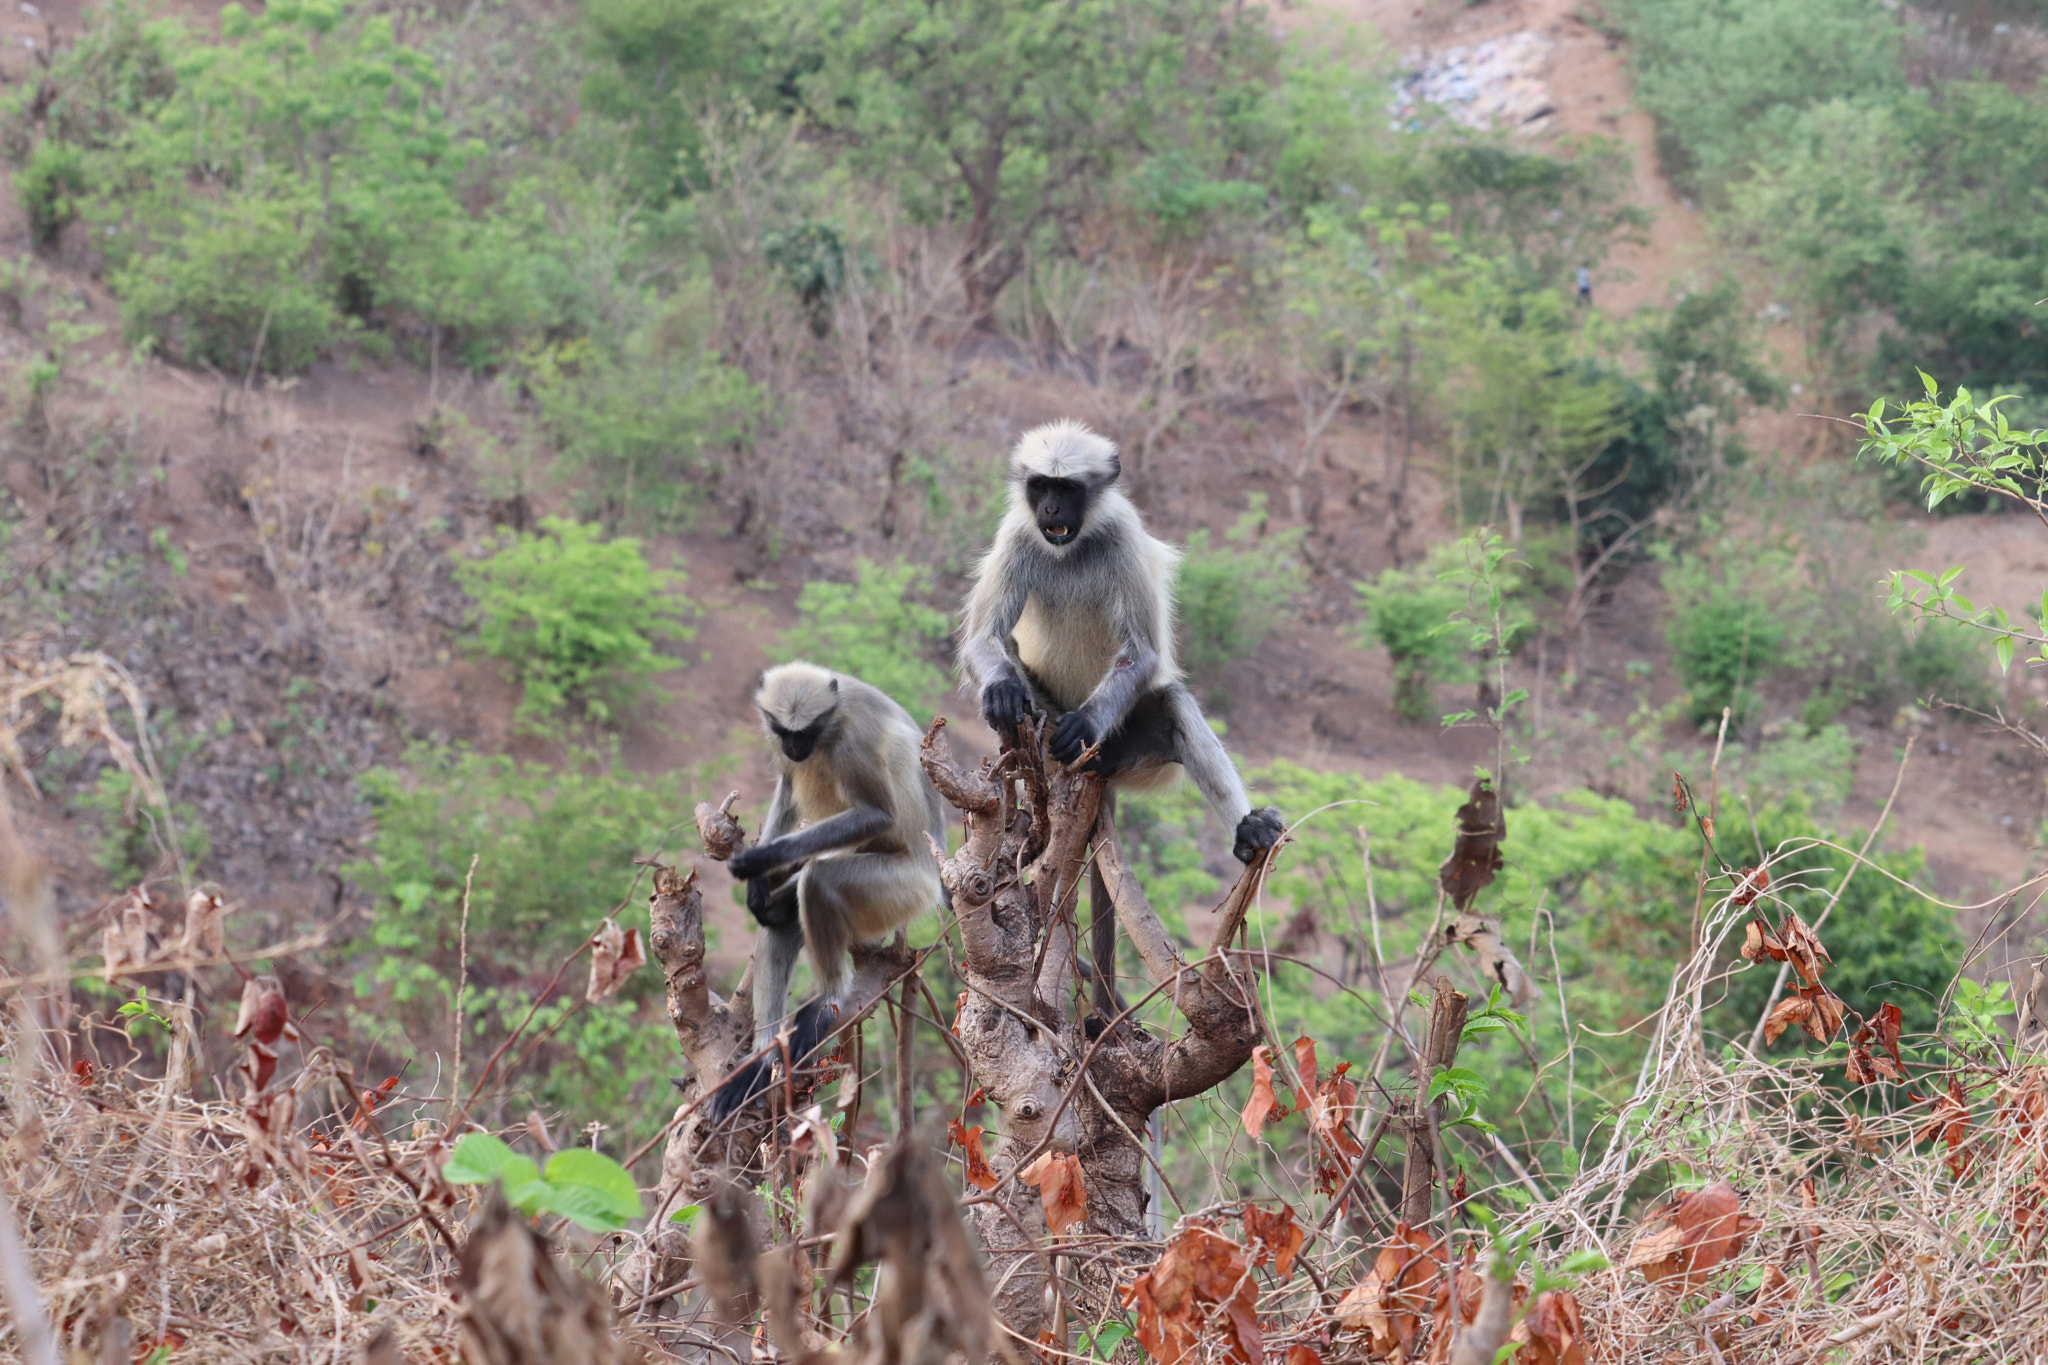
(1722, 78)
(875, 628)
(650, 61)
(652, 419)
(554, 849)
(1231, 596)
(575, 615)
(1409, 613)
(1725, 636)
(1963, 446)
(586, 1187)
(1006, 114)
(134, 840)
(259, 197)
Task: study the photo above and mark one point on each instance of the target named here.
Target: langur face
(1060, 506)
(798, 744)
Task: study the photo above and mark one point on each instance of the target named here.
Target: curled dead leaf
(1475, 855)
(1261, 1108)
(1694, 1233)
(205, 935)
(615, 954)
(979, 1173)
(1274, 1236)
(1061, 1189)
(1550, 1332)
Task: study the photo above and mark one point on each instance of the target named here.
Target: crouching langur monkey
(843, 857)
(1072, 615)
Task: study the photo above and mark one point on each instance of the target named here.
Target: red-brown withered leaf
(615, 954)
(1305, 1069)
(1888, 1024)
(1198, 1272)
(1793, 1009)
(979, 1173)
(1057, 1175)
(1550, 1333)
(1276, 1236)
(1750, 883)
(1300, 1353)
(1261, 1108)
(1389, 1302)
(1950, 1124)
(1693, 1234)
(264, 1015)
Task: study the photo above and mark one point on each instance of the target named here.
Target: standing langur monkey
(844, 858)
(1072, 614)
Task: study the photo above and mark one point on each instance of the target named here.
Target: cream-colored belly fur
(1071, 663)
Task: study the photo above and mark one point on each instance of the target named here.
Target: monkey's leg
(847, 899)
(775, 950)
(1102, 924)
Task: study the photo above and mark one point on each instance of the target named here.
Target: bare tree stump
(1439, 1050)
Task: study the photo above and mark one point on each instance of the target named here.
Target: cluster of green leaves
(586, 1187)
(1231, 596)
(258, 197)
(575, 615)
(1859, 193)
(879, 628)
(554, 849)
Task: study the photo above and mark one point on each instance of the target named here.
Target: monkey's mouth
(1058, 535)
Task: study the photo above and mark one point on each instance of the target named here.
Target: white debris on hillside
(1492, 84)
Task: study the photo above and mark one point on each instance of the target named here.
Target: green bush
(134, 838)
(251, 193)
(554, 849)
(1724, 640)
(1409, 613)
(1231, 596)
(653, 421)
(876, 629)
(575, 615)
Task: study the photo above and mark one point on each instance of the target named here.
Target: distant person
(1585, 286)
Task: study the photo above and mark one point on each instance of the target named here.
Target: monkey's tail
(813, 1022)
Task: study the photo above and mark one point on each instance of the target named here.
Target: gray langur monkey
(1071, 614)
(844, 858)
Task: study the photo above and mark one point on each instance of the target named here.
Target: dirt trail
(1586, 77)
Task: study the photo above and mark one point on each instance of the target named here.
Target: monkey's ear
(835, 687)
(1116, 466)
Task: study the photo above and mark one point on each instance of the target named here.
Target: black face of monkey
(797, 744)
(1059, 505)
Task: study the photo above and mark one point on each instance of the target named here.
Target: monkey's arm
(1136, 665)
(849, 827)
(770, 900)
(992, 612)
(1208, 763)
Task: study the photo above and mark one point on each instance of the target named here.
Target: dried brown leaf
(1550, 1331)
(615, 954)
(1695, 1233)
(1262, 1108)
(205, 936)
(1475, 856)
(1275, 1236)
(1305, 1069)
(979, 1173)
(1061, 1189)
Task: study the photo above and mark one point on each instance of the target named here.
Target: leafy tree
(653, 61)
(554, 849)
(876, 629)
(576, 615)
(1231, 596)
(1006, 114)
(1408, 612)
(1724, 78)
(1725, 637)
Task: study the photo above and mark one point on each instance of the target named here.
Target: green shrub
(49, 187)
(1231, 596)
(1724, 640)
(876, 629)
(1946, 660)
(134, 838)
(554, 849)
(575, 615)
(250, 192)
(654, 421)
(1408, 612)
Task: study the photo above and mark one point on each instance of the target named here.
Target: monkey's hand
(1260, 829)
(752, 862)
(1005, 704)
(1072, 734)
(772, 906)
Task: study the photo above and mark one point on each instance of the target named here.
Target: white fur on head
(795, 695)
(1065, 450)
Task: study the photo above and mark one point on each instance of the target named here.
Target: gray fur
(856, 817)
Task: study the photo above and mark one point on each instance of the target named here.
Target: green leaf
(479, 1158)
(605, 1180)
(1459, 718)
(2004, 648)
(1459, 1081)
(686, 1214)
(1110, 1336)
(1584, 1263)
